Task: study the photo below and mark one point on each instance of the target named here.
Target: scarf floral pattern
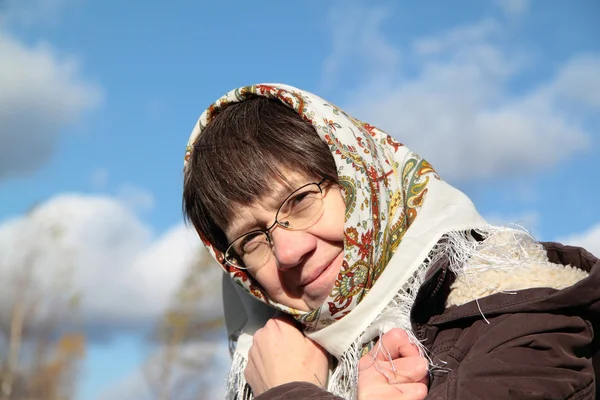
(384, 185)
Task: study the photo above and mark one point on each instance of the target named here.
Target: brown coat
(539, 343)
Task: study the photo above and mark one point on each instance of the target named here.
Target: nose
(291, 248)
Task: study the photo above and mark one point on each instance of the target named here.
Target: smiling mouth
(319, 272)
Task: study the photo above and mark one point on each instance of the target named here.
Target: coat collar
(431, 299)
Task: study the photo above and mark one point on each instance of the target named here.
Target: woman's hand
(280, 353)
(403, 378)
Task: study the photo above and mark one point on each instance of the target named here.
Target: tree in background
(187, 334)
(40, 327)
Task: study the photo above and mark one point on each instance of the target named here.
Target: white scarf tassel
(237, 388)
(503, 247)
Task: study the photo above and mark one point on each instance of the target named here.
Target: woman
(329, 220)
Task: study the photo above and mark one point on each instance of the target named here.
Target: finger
(410, 391)
(405, 391)
(282, 328)
(401, 370)
(398, 339)
(394, 344)
(409, 370)
(285, 322)
(279, 326)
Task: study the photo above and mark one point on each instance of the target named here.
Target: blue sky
(97, 99)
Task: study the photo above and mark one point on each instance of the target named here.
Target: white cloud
(456, 38)
(527, 220)
(358, 41)
(41, 94)
(135, 197)
(590, 240)
(126, 279)
(28, 13)
(453, 104)
(513, 7)
(579, 81)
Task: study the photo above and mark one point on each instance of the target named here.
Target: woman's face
(304, 264)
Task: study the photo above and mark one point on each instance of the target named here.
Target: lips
(318, 272)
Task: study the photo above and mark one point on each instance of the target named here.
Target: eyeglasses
(300, 210)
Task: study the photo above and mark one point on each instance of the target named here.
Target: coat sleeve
(517, 356)
(297, 391)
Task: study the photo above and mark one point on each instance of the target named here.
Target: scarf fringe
(508, 248)
(344, 380)
(237, 388)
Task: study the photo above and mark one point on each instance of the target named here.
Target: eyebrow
(276, 197)
(242, 230)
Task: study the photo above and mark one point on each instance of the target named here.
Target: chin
(321, 291)
(319, 299)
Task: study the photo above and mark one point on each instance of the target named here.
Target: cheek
(268, 278)
(335, 217)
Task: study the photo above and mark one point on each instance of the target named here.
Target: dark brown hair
(245, 148)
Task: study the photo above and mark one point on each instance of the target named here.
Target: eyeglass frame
(267, 230)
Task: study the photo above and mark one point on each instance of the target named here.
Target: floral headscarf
(397, 210)
(384, 185)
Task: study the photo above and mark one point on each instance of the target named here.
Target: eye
(251, 241)
(303, 200)
(297, 199)
(301, 197)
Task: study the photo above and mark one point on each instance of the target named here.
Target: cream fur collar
(476, 283)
